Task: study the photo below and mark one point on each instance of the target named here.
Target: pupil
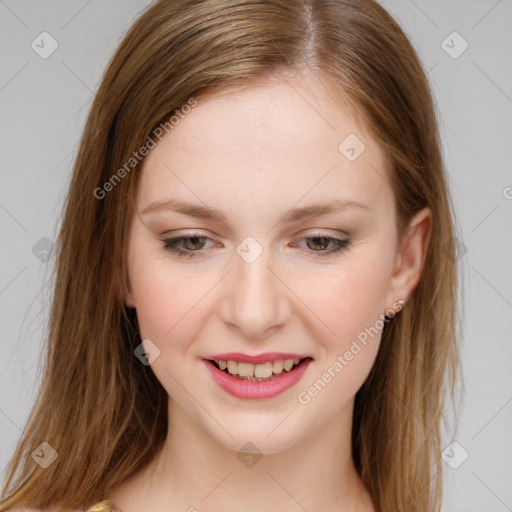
(194, 241)
(317, 238)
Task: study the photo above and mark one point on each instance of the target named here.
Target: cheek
(168, 302)
(350, 305)
(345, 300)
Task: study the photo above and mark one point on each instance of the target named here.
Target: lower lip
(252, 390)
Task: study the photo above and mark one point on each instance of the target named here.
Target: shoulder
(24, 509)
(102, 506)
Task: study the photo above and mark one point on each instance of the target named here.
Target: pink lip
(261, 358)
(256, 390)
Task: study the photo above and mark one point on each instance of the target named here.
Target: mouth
(261, 376)
(262, 372)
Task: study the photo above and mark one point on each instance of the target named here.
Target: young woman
(255, 295)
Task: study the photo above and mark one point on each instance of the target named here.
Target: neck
(195, 472)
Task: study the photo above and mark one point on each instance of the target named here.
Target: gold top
(103, 506)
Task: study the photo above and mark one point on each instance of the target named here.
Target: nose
(256, 301)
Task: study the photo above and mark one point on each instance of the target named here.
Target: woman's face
(265, 279)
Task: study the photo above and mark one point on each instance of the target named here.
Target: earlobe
(412, 255)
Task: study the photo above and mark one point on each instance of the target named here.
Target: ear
(410, 257)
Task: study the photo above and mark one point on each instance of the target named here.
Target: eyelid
(311, 232)
(340, 244)
(184, 232)
(323, 232)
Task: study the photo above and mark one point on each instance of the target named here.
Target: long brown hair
(103, 412)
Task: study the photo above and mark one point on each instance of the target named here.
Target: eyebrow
(293, 215)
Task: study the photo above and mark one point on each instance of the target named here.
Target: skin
(255, 155)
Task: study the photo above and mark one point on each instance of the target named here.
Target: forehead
(273, 143)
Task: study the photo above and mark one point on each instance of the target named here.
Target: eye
(318, 241)
(194, 244)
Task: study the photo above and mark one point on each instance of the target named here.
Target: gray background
(44, 103)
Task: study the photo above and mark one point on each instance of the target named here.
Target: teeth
(288, 364)
(245, 369)
(262, 370)
(232, 367)
(277, 366)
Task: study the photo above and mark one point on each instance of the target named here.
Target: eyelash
(170, 244)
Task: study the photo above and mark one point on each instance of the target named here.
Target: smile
(257, 372)
(257, 381)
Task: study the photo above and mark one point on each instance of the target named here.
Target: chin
(257, 441)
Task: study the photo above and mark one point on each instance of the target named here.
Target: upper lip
(260, 358)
